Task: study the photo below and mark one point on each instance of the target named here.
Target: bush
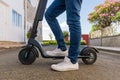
(49, 42)
(28, 35)
(67, 42)
(83, 42)
(45, 43)
(53, 42)
(65, 34)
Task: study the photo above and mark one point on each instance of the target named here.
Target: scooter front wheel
(26, 56)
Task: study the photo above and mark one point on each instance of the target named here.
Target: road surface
(107, 67)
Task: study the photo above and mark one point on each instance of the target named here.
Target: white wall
(8, 31)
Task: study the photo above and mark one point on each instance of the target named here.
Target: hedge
(53, 42)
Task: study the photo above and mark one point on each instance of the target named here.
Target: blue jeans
(72, 8)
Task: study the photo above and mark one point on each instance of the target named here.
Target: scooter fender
(33, 42)
(88, 48)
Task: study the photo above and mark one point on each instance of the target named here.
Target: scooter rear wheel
(92, 56)
(27, 56)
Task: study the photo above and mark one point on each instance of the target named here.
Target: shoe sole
(69, 69)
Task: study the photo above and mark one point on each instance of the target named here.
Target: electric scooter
(30, 52)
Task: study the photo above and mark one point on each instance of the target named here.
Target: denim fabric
(72, 8)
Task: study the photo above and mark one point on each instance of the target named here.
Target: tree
(50, 35)
(66, 35)
(104, 13)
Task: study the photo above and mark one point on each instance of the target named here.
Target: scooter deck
(62, 57)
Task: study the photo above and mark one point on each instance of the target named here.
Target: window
(19, 20)
(16, 19)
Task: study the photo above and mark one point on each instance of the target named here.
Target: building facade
(12, 20)
(16, 17)
(31, 11)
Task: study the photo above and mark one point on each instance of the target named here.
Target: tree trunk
(101, 36)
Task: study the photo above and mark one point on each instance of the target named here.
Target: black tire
(92, 56)
(27, 56)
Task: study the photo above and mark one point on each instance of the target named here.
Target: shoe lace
(65, 61)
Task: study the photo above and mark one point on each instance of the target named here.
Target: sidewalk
(5, 46)
(110, 49)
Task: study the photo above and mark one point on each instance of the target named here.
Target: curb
(109, 49)
(11, 46)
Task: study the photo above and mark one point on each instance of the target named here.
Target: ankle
(72, 61)
(63, 48)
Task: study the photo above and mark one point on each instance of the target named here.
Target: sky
(87, 7)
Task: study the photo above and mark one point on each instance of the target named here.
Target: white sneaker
(66, 65)
(57, 52)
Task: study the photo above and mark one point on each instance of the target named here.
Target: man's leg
(56, 8)
(73, 20)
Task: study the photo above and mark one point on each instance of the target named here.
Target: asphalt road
(107, 67)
